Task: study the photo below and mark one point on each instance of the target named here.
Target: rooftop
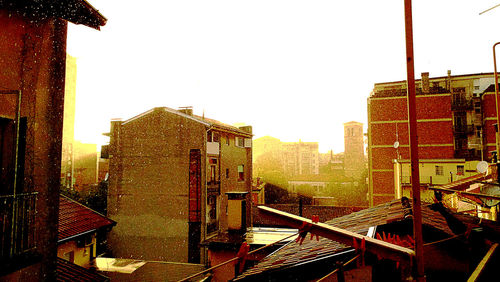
(76, 219)
(359, 222)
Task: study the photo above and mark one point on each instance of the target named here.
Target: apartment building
(169, 173)
(455, 126)
(300, 158)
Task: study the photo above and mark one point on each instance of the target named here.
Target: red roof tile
(77, 219)
(358, 222)
(67, 271)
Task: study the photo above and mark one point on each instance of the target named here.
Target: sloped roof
(203, 120)
(76, 219)
(75, 11)
(67, 271)
(359, 222)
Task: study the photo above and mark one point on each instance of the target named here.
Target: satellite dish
(396, 145)
(482, 167)
(491, 190)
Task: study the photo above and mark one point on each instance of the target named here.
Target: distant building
(300, 158)
(67, 156)
(169, 173)
(86, 165)
(354, 156)
(455, 118)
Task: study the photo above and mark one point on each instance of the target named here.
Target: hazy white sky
(291, 69)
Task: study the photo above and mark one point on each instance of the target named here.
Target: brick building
(455, 117)
(32, 80)
(169, 172)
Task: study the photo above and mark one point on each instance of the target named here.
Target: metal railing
(463, 129)
(17, 223)
(461, 104)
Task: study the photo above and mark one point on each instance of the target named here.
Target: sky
(290, 69)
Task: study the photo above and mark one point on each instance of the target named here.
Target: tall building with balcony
(455, 118)
(170, 174)
(354, 152)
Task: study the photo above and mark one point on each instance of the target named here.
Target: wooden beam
(480, 267)
(479, 195)
(346, 237)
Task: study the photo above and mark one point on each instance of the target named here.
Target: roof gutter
(381, 248)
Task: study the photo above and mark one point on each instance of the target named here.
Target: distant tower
(353, 149)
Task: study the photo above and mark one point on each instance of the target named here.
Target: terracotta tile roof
(67, 271)
(76, 219)
(359, 222)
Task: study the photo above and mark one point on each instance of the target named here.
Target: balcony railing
(468, 154)
(463, 129)
(461, 104)
(17, 223)
(423, 179)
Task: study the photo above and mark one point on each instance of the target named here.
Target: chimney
(186, 110)
(425, 82)
(246, 128)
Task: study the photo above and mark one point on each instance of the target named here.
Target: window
(227, 139)
(212, 214)
(439, 170)
(227, 172)
(216, 137)
(460, 170)
(241, 173)
(69, 256)
(240, 142)
(209, 136)
(213, 173)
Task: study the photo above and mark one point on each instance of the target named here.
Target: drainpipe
(496, 103)
(412, 128)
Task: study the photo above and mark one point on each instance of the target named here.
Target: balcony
(213, 187)
(467, 154)
(17, 220)
(461, 129)
(424, 179)
(461, 105)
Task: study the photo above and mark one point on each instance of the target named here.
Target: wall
(231, 157)
(81, 254)
(148, 188)
(32, 56)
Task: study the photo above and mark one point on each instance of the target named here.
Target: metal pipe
(412, 128)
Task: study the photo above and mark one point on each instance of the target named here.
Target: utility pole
(412, 128)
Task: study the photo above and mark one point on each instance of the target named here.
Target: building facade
(455, 117)
(32, 79)
(300, 158)
(169, 173)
